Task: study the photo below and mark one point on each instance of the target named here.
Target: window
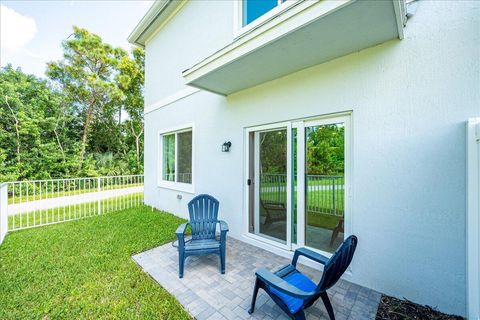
(176, 157)
(253, 9)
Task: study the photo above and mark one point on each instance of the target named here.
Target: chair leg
(328, 305)
(254, 296)
(181, 263)
(334, 236)
(300, 315)
(338, 228)
(222, 259)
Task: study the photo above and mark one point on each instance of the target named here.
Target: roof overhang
(158, 14)
(307, 34)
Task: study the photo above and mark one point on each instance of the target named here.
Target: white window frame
(174, 185)
(239, 29)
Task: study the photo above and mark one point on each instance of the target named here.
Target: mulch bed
(395, 309)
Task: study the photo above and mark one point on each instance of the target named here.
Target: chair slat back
(338, 263)
(203, 210)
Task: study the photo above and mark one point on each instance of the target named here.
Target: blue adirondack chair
(203, 210)
(294, 292)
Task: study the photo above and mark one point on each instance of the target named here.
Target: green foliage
(273, 152)
(36, 130)
(84, 270)
(325, 150)
(71, 124)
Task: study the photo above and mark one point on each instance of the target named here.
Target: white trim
(179, 186)
(400, 16)
(179, 95)
(300, 125)
(289, 186)
(256, 180)
(473, 220)
(155, 31)
(159, 14)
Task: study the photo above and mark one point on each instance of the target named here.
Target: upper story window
(253, 9)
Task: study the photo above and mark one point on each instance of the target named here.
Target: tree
(85, 120)
(131, 80)
(34, 136)
(325, 149)
(86, 75)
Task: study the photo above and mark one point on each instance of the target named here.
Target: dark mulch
(395, 309)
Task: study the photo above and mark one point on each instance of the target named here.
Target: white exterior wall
(409, 100)
(198, 30)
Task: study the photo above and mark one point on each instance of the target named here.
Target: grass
(83, 269)
(318, 200)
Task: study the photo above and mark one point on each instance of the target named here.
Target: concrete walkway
(207, 294)
(70, 200)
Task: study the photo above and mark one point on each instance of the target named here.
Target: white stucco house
(313, 120)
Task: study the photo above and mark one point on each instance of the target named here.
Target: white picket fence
(28, 204)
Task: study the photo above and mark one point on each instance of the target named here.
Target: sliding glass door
(297, 177)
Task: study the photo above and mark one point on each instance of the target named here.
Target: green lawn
(83, 269)
(318, 200)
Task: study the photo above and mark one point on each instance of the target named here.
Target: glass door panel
(324, 185)
(268, 197)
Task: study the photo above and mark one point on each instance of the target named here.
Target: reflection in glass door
(268, 188)
(324, 185)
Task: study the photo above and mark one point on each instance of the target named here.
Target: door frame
(300, 124)
(256, 129)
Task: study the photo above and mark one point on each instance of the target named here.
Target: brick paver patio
(207, 294)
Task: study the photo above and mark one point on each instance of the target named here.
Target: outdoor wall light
(226, 146)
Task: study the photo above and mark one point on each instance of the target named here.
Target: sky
(31, 32)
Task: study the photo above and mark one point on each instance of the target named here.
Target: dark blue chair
(203, 210)
(294, 292)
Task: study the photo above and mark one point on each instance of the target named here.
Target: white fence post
(3, 210)
(473, 219)
(98, 196)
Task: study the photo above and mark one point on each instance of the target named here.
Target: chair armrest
(223, 226)
(281, 285)
(312, 255)
(181, 229)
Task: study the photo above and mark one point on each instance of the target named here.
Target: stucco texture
(409, 99)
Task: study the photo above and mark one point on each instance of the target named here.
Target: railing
(325, 194)
(27, 204)
(273, 187)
